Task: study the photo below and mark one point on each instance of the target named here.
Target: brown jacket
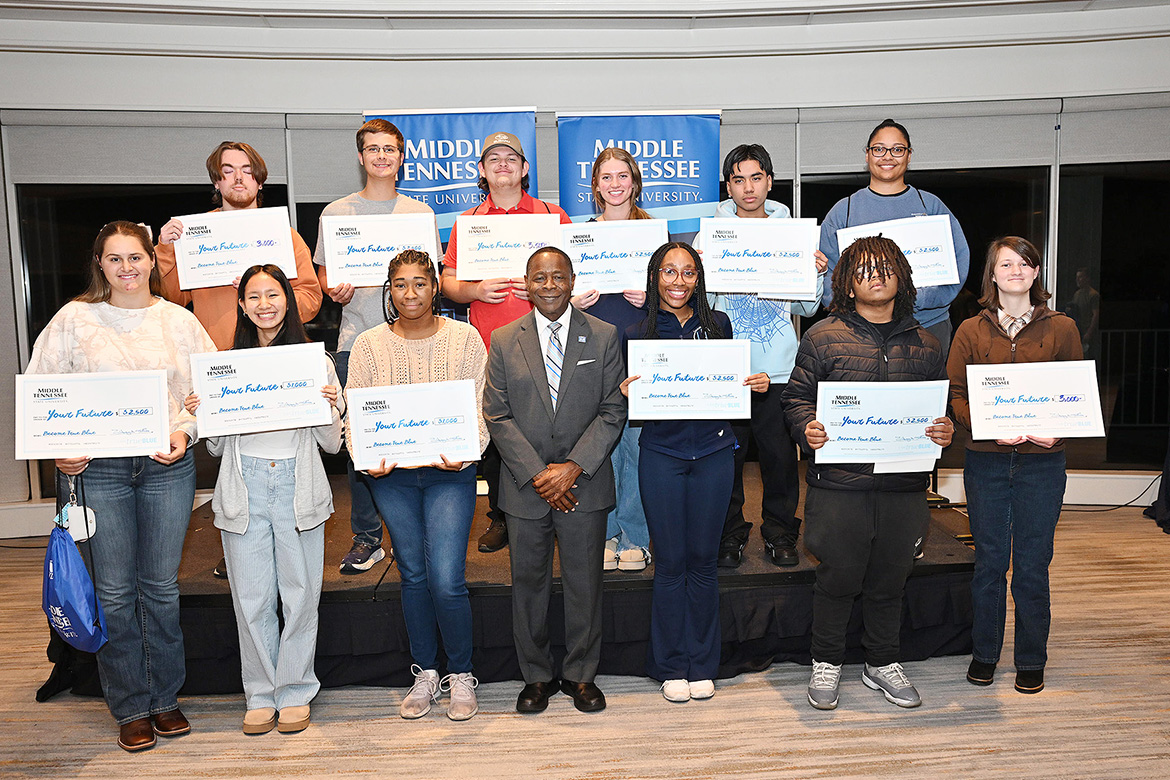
(1050, 336)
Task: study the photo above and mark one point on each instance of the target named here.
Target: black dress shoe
(979, 673)
(220, 570)
(494, 538)
(782, 553)
(534, 696)
(136, 735)
(1029, 680)
(587, 697)
(731, 553)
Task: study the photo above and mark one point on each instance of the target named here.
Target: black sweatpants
(864, 541)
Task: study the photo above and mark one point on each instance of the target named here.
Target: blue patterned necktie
(553, 360)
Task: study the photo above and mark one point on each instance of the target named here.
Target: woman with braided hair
(685, 469)
(428, 509)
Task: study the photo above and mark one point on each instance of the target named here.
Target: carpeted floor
(1105, 714)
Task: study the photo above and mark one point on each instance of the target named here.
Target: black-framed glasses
(670, 274)
(391, 150)
(877, 150)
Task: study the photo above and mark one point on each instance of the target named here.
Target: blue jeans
(363, 516)
(1014, 502)
(142, 510)
(429, 512)
(627, 520)
(272, 560)
(685, 503)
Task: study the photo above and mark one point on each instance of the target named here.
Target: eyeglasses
(894, 151)
(867, 271)
(670, 274)
(391, 150)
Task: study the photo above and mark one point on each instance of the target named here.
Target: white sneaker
(702, 689)
(891, 681)
(463, 702)
(676, 690)
(822, 688)
(610, 561)
(424, 691)
(634, 559)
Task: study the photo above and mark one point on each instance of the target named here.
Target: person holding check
(863, 526)
(142, 505)
(767, 323)
(271, 501)
(888, 197)
(428, 510)
(381, 150)
(237, 173)
(685, 469)
(617, 185)
(1015, 486)
(503, 178)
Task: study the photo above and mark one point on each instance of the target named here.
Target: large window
(1113, 278)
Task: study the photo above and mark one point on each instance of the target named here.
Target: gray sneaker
(463, 702)
(424, 691)
(822, 688)
(361, 557)
(891, 680)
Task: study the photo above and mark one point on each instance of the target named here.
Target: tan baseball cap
(501, 139)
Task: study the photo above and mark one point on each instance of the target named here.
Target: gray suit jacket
(588, 420)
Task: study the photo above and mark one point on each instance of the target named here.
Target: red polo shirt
(486, 317)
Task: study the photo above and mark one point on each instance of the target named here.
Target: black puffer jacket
(849, 349)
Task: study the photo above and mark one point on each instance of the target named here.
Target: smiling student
(1015, 486)
(617, 185)
(503, 178)
(271, 501)
(686, 469)
(888, 196)
(381, 150)
(143, 504)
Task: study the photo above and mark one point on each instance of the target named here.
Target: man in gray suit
(554, 408)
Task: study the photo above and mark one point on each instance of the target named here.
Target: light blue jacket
(766, 322)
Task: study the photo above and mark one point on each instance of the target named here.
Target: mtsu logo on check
(845, 402)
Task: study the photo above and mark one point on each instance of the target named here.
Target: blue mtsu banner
(678, 155)
(443, 151)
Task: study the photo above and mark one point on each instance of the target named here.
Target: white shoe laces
(894, 675)
(426, 683)
(825, 676)
(461, 686)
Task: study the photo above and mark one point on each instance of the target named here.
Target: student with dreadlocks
(428, 510)
(685, 469)
(863, 526)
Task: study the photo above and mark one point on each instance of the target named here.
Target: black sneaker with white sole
(361, 557)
